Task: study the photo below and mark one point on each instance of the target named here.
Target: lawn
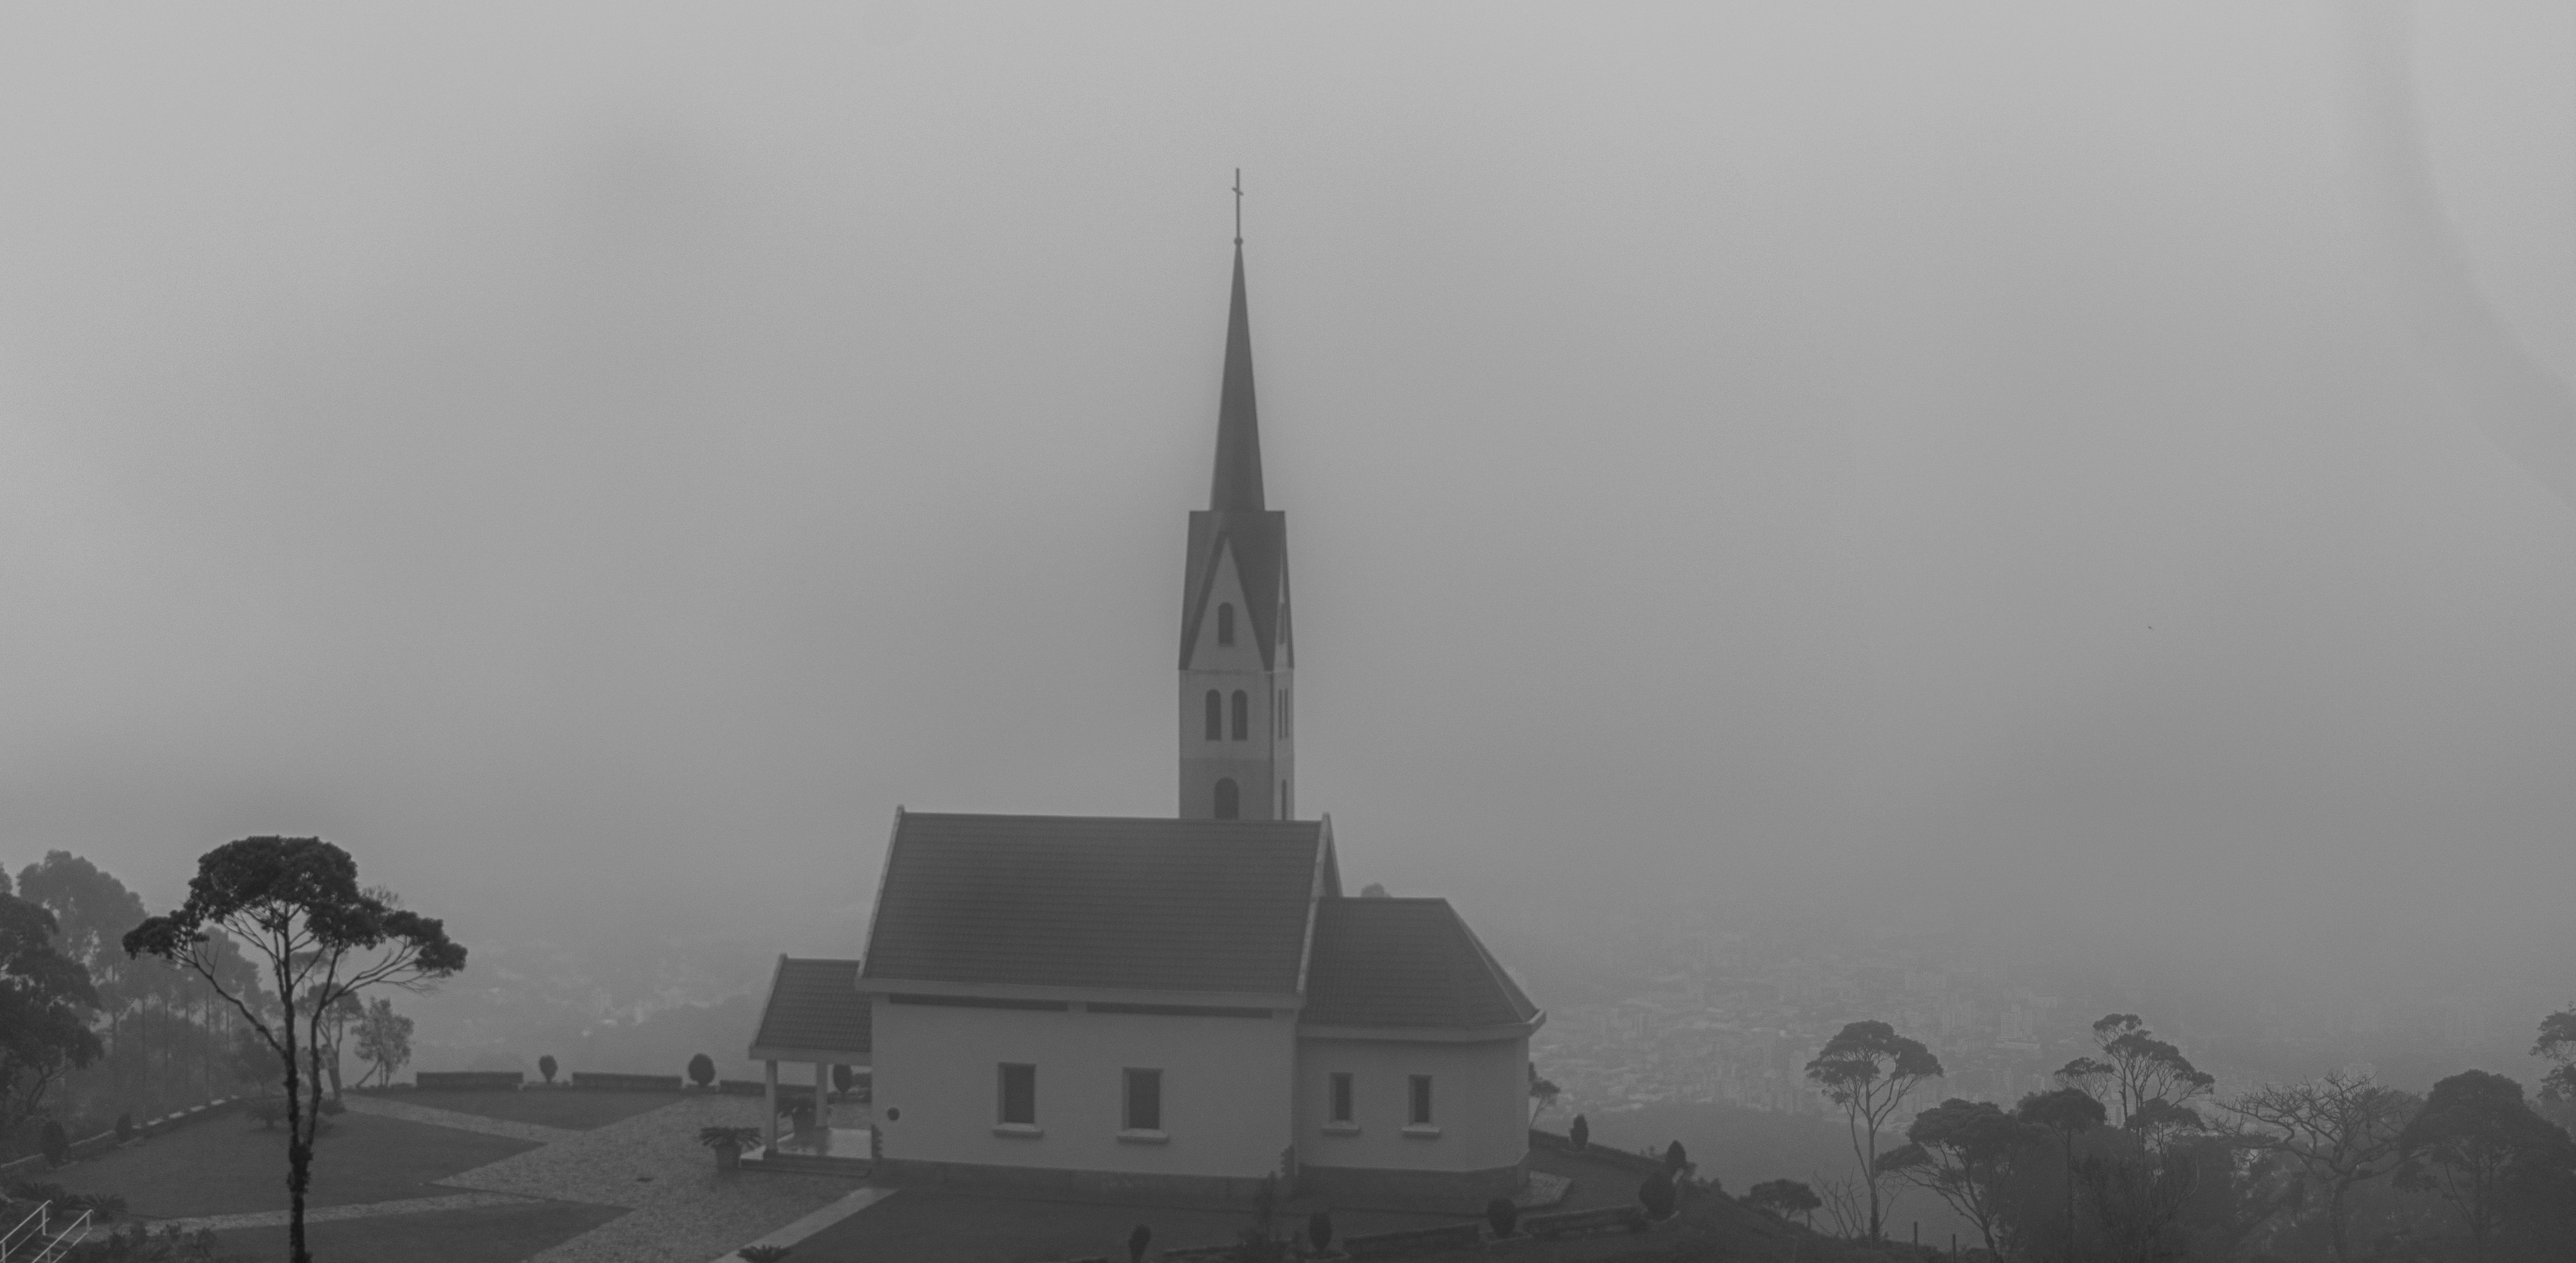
(547, 1107)
(485, 1234)
(228, 1165)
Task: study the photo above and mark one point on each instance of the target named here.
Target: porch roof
(815, 1012)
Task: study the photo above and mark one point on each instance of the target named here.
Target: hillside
(1743, 1147)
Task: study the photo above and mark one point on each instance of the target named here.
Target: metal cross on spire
(1238, 206)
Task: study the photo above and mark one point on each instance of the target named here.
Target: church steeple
(1237, 704)
(1236, 484)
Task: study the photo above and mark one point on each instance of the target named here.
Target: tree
(2557, 1043)
(2476, 1138)
(2142, 1068)
(296, 904)
(337, 1016)
(1960, 1152)
(2340, 1130)
(1658, 1195)
(1785, 1197)
(702, 1069)
(384, 1040)
(1542, 1092)
(1677, 1160)
(45, 1002)
(2069, 1112)
(546, 1066)
(1868, 1069)
(1580, 1134)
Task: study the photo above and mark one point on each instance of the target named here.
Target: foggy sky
(1955, 463)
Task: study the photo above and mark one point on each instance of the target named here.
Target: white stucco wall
(1480, 1102)
(1226, 1088)
(1264, 758)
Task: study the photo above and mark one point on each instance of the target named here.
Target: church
(1185, 1005)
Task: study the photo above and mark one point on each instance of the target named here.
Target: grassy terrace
(228, 1165)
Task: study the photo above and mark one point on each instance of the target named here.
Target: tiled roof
(1096, 902)
(815, 1005)
(1405, 962)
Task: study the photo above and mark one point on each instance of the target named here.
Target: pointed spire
(1236, 487)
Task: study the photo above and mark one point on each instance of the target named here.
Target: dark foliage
(1502, 1216)
(1658, 1195)
(1580, 1133)
(702, 1070)
(546, 1066)
(1319, 1230)
(1137, 1240)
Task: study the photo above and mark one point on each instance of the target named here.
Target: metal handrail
(64, 1241)
(32, 1225)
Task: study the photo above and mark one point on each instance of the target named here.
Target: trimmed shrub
(1137, 1241)
(1657, 1195)
(1580, 1133)
(1319, 1231)
(124, 1128)
(57, 1142)
(546, 1067)
(1502, 1216)
(1677, 1159)
(702, 1070)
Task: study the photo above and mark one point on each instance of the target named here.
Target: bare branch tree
(2341, 1130)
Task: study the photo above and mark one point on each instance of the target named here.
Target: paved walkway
(458, 1120)
(678, 1208)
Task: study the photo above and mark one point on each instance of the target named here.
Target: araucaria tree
(295, 905)
(2340, 1130)
(1868, 1069)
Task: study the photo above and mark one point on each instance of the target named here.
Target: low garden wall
(625, 1082)
(469, 1080)
(93, 1146)
(1641, 1163)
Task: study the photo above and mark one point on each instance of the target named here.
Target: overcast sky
(596, 462)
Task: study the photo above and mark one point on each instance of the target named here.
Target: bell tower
(1237, 705)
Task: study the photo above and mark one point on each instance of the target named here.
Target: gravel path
(680, 1209)
(459, 1120)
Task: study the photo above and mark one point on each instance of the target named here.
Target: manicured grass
(960, 1228)
(485, 1234)
(227, 1165)
(546, 1107)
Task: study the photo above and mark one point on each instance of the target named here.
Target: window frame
(1216, 715)
(1418, 1111)
(1128, 1079)
(1225, 623)
(1002, 1094)
(1341, 1097)
(1242, 715)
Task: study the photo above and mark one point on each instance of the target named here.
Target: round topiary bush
(702, 1070)
(1319, 1230)
(546, 1067)
(1502, 1216)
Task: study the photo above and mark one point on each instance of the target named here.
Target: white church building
(1148, 1006)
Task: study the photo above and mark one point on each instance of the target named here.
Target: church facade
(1193, 1004)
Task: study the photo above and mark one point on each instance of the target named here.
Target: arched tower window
(1215, 716)
(1229, 800)
(1225, 623)
(1242, 715)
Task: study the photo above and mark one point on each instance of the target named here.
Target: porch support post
(822, 1094)
(771, 1127)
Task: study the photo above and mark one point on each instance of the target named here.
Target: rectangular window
(1144, 1100)
(1341, 1096)
(1421, 1104)
(1019, 1094)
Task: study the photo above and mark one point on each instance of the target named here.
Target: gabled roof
(1405, 963)
(1259, 544)
(814, 1006)
(1097, 902)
